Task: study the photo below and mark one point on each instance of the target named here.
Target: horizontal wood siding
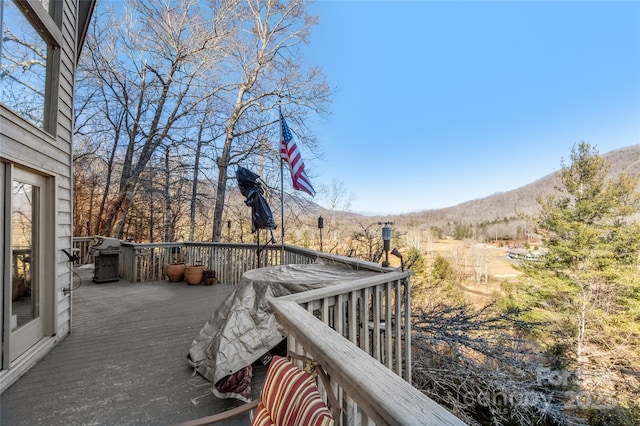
(63, 156)
(67, 79)
(27, 146)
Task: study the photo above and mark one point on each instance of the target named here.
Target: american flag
(291, 155)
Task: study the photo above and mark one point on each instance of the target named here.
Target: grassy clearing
(499, 268)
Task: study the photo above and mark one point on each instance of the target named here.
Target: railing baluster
(353, 316)
(324, 311)
(364, 320)
(407, 329)
(338, 312)
(375, 341)
(398, 328)
(388, 332)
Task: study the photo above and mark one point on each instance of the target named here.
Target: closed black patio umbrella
(261, 216)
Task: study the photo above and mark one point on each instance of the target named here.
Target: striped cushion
(290, 397)
(261, 416)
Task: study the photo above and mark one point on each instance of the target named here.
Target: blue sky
(438, 103)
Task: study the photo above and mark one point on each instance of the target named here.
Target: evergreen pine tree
(588, 283)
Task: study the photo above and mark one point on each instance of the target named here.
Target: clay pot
(209, 277)
(175, 272)
(193, 274)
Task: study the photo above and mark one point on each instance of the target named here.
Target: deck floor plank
(124, 362)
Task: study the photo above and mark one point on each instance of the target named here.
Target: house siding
(64, 135)
(27, 146)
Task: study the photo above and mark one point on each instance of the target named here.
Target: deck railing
(20, 259)
(373, 313)
(147, 262)
(367, 391)
(81, 249)
(359, 331)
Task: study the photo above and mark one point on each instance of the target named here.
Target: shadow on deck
(125, 361)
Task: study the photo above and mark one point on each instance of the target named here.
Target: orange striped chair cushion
(290, 397)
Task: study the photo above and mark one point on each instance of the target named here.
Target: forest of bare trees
(176, 94)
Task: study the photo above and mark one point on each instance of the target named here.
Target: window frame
(43, 20)
(47, 24)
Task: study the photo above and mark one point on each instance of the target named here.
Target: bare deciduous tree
(336, 199)
(199, 77)
(265, 66)
(146, 65)
(476, 363)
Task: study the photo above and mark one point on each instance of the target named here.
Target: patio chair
(289, 397)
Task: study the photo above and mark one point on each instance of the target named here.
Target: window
(27, 61)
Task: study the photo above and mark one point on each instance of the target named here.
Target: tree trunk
(221, 191)
(194, 186)
(101, 227)
(223, 164)
(168, 232)
(582, 326)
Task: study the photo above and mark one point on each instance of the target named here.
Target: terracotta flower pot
(209, 277)
(193, 274)
(175, 272)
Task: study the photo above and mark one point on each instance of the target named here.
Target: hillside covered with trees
(507, 215)
(559, 344)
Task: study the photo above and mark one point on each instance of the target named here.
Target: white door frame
(18, 342)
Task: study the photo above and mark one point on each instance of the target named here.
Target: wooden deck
(125, 361)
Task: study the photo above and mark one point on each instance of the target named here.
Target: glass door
(26, 319)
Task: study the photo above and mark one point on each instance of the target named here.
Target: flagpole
(282, 210)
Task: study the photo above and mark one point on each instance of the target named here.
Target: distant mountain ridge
(504, 211)
(521, 200)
